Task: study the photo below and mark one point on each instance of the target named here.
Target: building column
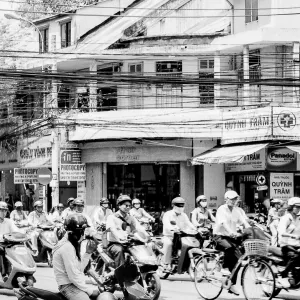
(55, 166)
(246, 94)
(217, 75)
(93, 87)
(51, 100)
(187, 186)
(296, 60)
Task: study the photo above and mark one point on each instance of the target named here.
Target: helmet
(78, 202)
(136, 201)
(75, 222)
(104, 200)
(276, 201)
(200, 198)
(3, 205)
(231, 195)
(60, 205)
(38, 203)
(107, 296)
(18, 204)
(294, 201)
(178, 200)
(122, 199)
(70, 200)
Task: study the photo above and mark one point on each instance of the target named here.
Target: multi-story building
(145, 88)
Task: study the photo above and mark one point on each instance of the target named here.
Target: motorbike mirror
(173, 222)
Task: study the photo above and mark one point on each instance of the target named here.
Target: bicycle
(210, 281)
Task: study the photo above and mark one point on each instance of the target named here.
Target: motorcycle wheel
(275, 293)
(49, 259)
(153, 285)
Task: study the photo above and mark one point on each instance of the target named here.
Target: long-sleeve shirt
(182, 223)
(18, 216)
(140, 213)
(7, 226)
(272, 215)
(100, 216)
(56, 217)
(35, 218)
(67, 212)
(288, 225)
(201, 217)
(67, 268)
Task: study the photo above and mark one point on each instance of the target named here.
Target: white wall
(214, 182)
(286, 7)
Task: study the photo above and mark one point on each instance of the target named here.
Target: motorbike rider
(70, 209)
(6, 226)
(182, 222)
(120, 225)
(289, 225)
(18, 215)
(78, 208)
(138, 212)
(228, 218)
(273, 219)
(57, 216)
(36, 218)
(101, 213)
(69, 266)
(201, 216)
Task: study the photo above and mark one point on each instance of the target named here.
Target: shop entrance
(154, 184)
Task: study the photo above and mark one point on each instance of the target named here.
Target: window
(169, 68)
(251, 10)
(63, 96)
(44, 43)
(65, 34)
(206, 89)
(135, 92)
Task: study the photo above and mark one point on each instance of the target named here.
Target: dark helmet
(122, 199)
(104, 200)
(178, 200)
(70, 200)
(75, 222)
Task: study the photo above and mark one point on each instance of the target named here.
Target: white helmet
(136, 201)
(276, 201)
(294, 201)
(229, 195)
(3, 205)
(37, 203)
(18, 204)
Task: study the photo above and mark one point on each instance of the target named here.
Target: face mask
(19, 208)
(203, 204)
(137, 206)
(178, 210)
(105, 205)
(230, 203)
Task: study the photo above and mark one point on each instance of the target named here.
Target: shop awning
(230, 154)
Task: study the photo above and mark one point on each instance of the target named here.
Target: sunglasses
(179, 205)
(79, 205)
(127, 205)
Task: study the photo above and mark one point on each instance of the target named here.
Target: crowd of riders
(69, 263)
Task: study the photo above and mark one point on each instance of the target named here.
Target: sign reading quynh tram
(71, 168)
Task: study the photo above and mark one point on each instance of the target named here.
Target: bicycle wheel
(258, 280)
(208, 277)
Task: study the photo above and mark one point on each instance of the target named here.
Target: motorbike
(185, 251)
(17, 261)
(47, 239)
(141, 255)
(278, 264)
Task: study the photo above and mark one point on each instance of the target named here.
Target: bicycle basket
(256, 247)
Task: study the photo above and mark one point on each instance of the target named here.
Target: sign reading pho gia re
(71, 168)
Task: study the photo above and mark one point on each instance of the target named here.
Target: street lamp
(11, 16)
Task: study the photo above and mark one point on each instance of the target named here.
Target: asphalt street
(175, 287)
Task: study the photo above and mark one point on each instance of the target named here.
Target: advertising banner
(253, 162)
(282, 185)
(81, 190)
(71, 168)
(281, 159)
(25, 175)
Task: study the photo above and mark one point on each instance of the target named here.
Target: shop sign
(281, 185)
(35, 152)
(81, 190)
(262, 187)
(71, 168)
(25, 175)
(127, 154)
(261, 180)
(281, 159)
(252, 162)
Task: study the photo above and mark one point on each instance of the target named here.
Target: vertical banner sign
(71, 168)
(282, 185)
(81, 191)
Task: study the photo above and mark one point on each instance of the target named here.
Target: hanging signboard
(81, 191)
(253, 162)
(281, 159)
(281, 185)
(25, 175)
(71, 168)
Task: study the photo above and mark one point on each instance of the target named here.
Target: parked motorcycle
(142, 257)
(186, 249)
(17, 261)
(47, 239)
